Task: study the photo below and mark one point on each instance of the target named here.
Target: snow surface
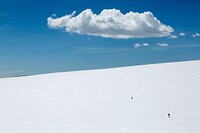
(99, 101)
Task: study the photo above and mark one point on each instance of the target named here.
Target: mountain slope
(99, 101)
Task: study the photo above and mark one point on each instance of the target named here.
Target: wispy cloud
(182, 34)
(146, 44)
(186, 46)
(137, 45)
(196, 35)
(162, 44)
(173, 36)
(101, 49)
(111, 23)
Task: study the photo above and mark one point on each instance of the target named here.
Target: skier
(132, 98)
(169, 115)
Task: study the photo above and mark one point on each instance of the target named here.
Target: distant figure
(132, 98)
(169, 115)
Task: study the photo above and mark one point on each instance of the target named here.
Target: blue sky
(29, 46)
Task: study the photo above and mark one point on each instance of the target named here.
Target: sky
(43, 36)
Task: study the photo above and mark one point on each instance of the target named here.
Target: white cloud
(145, 44)
(111, 23)
(182, 34)
(173, 36)
(162, 44)
(136, 45)
(196, 35)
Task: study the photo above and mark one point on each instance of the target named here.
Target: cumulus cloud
(182, 34)
(196, 35)
(111, 23)
(162, 44)
(136, 45)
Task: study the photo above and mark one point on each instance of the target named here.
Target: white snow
(99, 101)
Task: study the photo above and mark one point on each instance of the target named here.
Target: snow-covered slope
(99, 101)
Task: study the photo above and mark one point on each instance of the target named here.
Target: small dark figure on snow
(169, 115)
(132, 98)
